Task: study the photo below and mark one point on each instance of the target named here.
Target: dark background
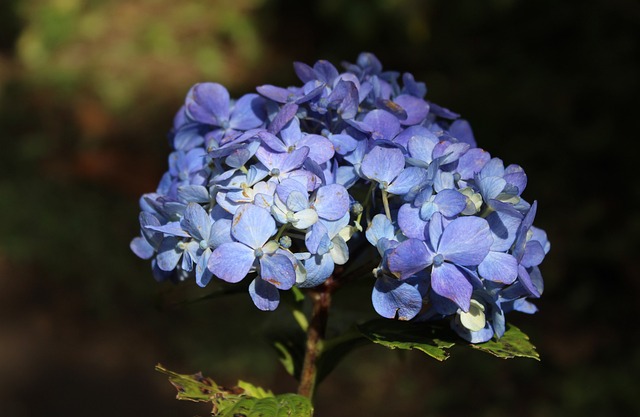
(88, 90)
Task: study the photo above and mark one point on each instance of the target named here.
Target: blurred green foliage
(122, 51)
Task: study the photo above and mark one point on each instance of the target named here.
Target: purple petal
(278, 94)
(317, 239)
(248, 112)
(284, 116)
(208, 103)
(533, 254)
(196, 221)
(304, 72)
(168, 254)
(515, 175)
(231, 262)
(416, 109)
(450, 151)
(142, 248)
(466, 241)
(408, 179)
(380, 227)
(525, 279)
(343, 143)
(252, 225)
(410, 222)
(203, 275)
(504, 226)
(409, 257)
(289, 185)
(273, 142)
(499, 267)
(472, 162)
(395, 299)
(278, 270)
(320, 148)
(450, 202)
(319, 268)
(382, 124)
(332, 202)
(382, 164)
(449, 282)
(461, 130)
(193, 193)
(264, 295)
(169, 229)
(325, 71)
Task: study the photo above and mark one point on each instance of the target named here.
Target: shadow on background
(88, 92)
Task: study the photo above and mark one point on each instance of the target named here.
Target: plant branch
(321, 298)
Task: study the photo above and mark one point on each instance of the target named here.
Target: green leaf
(395, 334)
(289, 405)
(245, 400)
(513, 344)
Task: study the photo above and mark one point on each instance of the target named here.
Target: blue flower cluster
(276, 184)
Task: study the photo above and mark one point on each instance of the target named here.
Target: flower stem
(321, 297)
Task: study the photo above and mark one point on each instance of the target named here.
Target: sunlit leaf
(396, 334)
(245, 399)
(513, 344)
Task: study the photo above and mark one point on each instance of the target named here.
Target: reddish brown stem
(321, 298)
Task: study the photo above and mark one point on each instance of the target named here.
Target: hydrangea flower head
(282, 185)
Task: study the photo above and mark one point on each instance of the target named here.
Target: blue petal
(449, 282)
(168, 254)
(533, 254)
(142, 248)
(409, 257)
(395, 299)
(410, 222)
(203, 275)
(503, 228)
(320, 148)
(408, 179)
(231, 262)
(332, 202)
(278, 270)
(279, 94)
(264, 295)
(466, 241)
(450, 202)
(317, 239)
(289, 185)
(461, 130)
(525, 279)
(415, 107)
(252, 225)
(208, 103)
(499, 267)
(382, 124)
(196, 221)
(248, 112)
(490, 187)
(319, 268)
(472, 162)
(380, 227)
(284, 116)
(169, 229)
(193, 194)
(383, 164)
